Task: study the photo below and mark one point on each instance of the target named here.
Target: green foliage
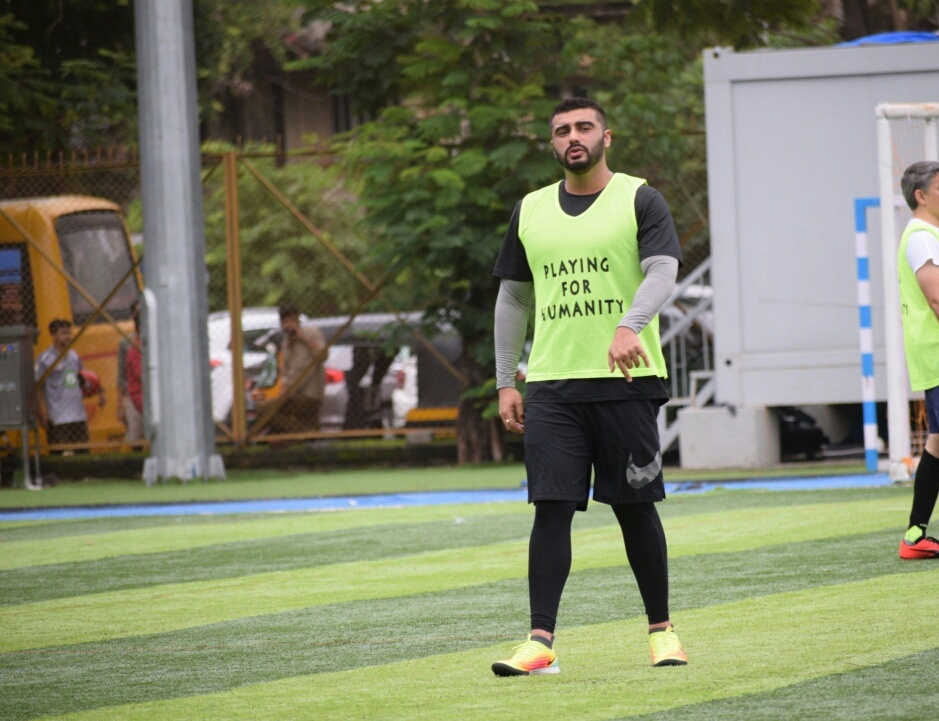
(442, 171)
(231, 37)
(360, 51)
(652, 90)
(98, 101)
(741, 23)
(68, 74)
(24, 91)
(79, 86)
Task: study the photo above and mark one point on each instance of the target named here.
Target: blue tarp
(908, 36)
(399, 500)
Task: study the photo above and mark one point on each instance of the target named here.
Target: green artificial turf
(166, 592)
(869, 694)
(605, 672)
(787, 603)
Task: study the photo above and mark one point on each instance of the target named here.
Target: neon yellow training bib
(586, 272)
(920, 326)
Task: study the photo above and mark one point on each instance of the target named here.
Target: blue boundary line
(401, 500)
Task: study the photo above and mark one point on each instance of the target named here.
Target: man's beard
(589, 159)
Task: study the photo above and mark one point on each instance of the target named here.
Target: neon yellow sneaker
(666, 648)
(532, 657)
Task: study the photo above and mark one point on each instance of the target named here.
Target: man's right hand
(512, 410)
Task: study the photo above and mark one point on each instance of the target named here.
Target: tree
(81, 90)
(867, 17)
(741, 23)
(68, 76)
(282, 261)
(24, 91)
(465, 136)
(442, 170)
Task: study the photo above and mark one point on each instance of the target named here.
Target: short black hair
(568, 104)
(917, 177)
(289, 310)
(58, 323)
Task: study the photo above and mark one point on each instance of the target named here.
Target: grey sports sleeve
(656, 288)
(511, 323)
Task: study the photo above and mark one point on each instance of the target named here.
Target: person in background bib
(918, 268)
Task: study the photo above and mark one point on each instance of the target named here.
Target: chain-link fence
(308, 337)
(68, 270)
(324, 344)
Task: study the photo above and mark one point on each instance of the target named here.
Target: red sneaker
(925, 547)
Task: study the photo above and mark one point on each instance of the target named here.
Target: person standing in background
(130, 385)
(918, 268)
(61, 401)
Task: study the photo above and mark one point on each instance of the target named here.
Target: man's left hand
(626, 351)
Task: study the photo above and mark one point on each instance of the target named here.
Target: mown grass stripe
(161, 540)
(745, 647)
(162, 608)
(903, 689)
(372, 632)
(226, 560)
(240, 557)
(253, 557)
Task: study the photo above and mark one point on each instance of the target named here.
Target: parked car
(396, 391)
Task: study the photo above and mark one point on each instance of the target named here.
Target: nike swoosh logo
(639, 477)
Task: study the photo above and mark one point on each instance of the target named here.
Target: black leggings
(549, 558)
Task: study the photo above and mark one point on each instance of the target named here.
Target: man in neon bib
(599, 254)
(918, 267)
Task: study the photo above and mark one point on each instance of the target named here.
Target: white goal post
(906, 133)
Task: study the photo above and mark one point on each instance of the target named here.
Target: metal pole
(930, 149)
(233, 247)
(183, 442)
(898, 407)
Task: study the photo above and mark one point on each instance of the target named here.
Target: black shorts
(619, 439)
(932, 410)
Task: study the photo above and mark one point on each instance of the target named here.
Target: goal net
(906, 133)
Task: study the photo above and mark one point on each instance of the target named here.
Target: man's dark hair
(917, 177)
(568, 104)
(58, 323)
(289, 311)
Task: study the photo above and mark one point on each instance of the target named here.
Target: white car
(261, 343)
